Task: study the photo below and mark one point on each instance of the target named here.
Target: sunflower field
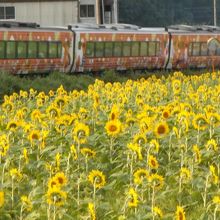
(145, 149)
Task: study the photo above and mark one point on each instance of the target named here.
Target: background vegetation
(11, 83)
(161, 13)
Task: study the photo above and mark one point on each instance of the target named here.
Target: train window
(204, 49)
(117, 49)
(126, 49)
(99, 49)
(144, 49)
(135, 49)
(52, 50)
(152, 49)
(32, 49)
(90, 49)
(10, 50)
(21, 49)
(108, 49)
(2, 49)
(59, 50)
(42, 49)
(218, 52)
(190, 49)
(157, 48)
(196, 49)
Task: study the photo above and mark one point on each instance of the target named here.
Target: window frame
(5, 14)
(87, 6)
(58, 53)
(200, 46)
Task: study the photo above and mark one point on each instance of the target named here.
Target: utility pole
(215, 19)
(115, 11)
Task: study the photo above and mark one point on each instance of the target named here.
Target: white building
(59, 12)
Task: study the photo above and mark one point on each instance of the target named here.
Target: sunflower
(60, 101)
(161, 129)
(176, 85)
(57, 161)
(3, 149)
(26, 203)
(61, 179)
(140, 139)
(8, 106)
(56, 197)
(214, 177)
(74, 152)
(152, 162)
(166, 113)
(215, 200)
(145, 124)
(53, 111)
(51, 93)
(130, 121)
(83, 113)
(213, 119)
(36, 115)
(156, 181)
(140, 175)
(157, 212)
(185, 174)
(53, 182)
(2, 198)
(133, 202)
(81, 132)
(25, 155)
(200, 122)
(113, 127)
(211, 144)
(114, 114)
(91, 209)
(180, 213)
(154, 145)
(134, 147)
(97, 178)
(87, 152)
(12, 125)
(197, 153)
(34, 135)
(186, 107)
(16, 174)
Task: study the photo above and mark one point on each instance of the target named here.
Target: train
(27, 48)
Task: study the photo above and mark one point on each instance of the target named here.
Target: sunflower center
(161, 129)
(165, 114)
(61, 181)
(35, 136)
(112, 128)
(13, 125)
(153, 163)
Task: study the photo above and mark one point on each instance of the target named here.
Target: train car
(189, 47)
(26, 48)
(119, 47)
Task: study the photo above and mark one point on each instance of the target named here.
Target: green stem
(54, 213)
(205, 191)
(12, 193)
(153, 201)
(215, 212)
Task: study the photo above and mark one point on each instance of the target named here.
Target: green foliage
(161, 13)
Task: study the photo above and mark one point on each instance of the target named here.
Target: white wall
(46, 13)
